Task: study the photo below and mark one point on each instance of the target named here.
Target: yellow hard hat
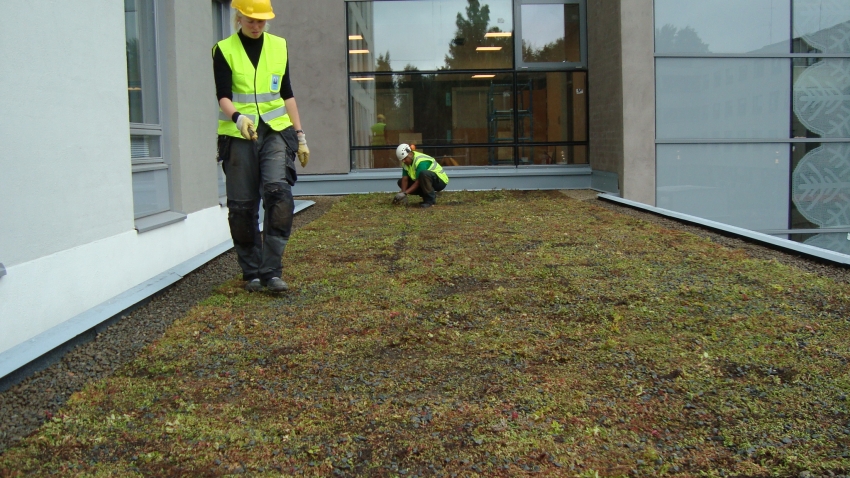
(259, 9)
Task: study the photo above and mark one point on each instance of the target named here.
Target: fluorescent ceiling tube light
(363, 78)
(358, 52)
(357, 37)
(498, 35)
(483, 76)
(488, 48)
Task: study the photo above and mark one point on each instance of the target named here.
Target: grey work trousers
(266, 165)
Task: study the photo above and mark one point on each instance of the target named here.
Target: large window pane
(142, 86)
(432, 109)
(821, 98)
(150, 192)
(551, 33)
(429, 35)
(821, 26)
(723, 98)
(552, 106)
(722, 26)
(744, 185)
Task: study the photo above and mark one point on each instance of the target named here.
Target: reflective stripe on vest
(435, 167)
(256, 91)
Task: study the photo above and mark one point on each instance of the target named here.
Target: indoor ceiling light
(363, 78)
(358, 52)
(488, 48)
(355, 37)
(497, 34)
(483, 76)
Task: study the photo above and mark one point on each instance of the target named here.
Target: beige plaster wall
(315, 32)
(638, 40)
(622, 94)
(188, 104)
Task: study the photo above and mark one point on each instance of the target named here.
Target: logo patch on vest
(275, 86)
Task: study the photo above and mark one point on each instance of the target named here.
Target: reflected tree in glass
(669, 39)
(470, 35)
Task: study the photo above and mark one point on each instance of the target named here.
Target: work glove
(400, 197)
(246, 127)
(303, 150)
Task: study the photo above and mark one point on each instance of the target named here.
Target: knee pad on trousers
(242, 217)
(280, 206)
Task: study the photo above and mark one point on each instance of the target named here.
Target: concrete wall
(67, 235)
(622, 94)
(65, 177)
(316, 34)
(638, 40)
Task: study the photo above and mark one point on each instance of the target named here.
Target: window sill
(149, 223)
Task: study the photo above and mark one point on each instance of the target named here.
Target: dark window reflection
(552, 107)
(430, 109)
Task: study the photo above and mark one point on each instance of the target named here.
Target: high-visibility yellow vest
(435, 167)
(256, 92)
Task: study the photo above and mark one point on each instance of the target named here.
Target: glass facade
(454, 90)
(753, 116)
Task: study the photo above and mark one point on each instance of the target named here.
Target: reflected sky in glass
(723, 26)
(419, 33)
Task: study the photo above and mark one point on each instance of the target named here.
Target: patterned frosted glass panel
(820, 185)
(821, 26)
(150, 192)
(831, 241)
(723, 98)
(821, 98)
(744, 185)
(428, 35)
(722, 26)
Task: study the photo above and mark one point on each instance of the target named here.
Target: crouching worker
(259, 137)
(421, 175)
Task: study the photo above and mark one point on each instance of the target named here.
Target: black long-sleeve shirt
(224, 75)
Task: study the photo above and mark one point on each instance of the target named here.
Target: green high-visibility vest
(256, 92)
(435, 167)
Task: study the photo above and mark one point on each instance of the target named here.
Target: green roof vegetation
(498, 333)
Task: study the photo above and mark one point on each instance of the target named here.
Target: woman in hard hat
(259, 136)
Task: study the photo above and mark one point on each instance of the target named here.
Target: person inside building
(381, 158)
(259, 137)
(421, 175)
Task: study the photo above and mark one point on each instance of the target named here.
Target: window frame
(521, 65)
(148, 164)
(222, 25)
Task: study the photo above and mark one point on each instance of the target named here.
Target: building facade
(735, 112)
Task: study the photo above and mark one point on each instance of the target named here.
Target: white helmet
(402, 151)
